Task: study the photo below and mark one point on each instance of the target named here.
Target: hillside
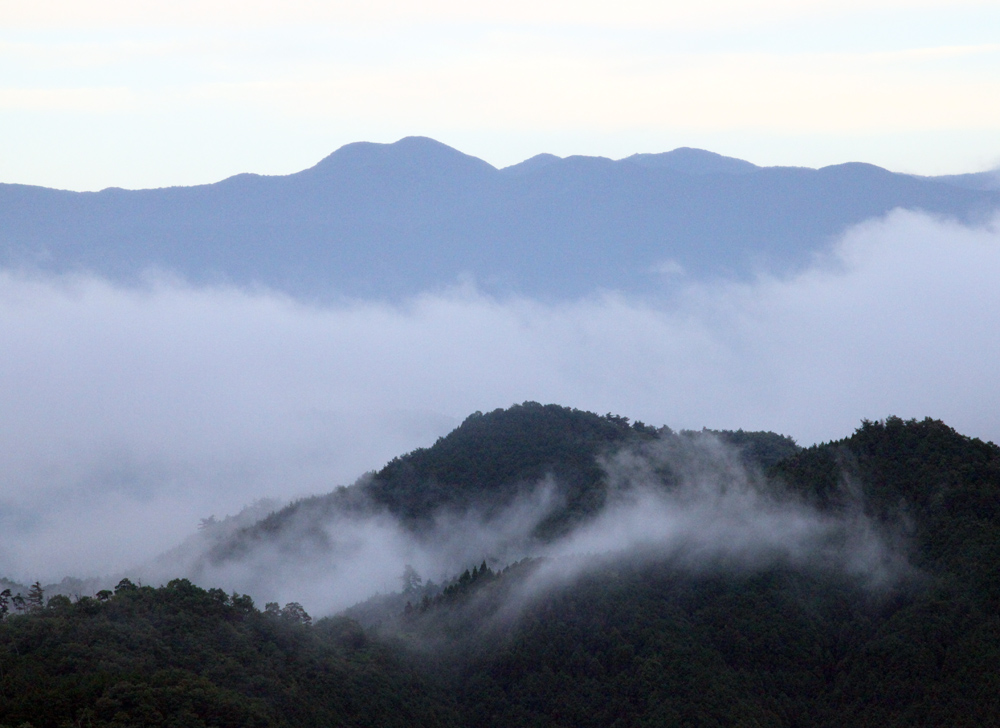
(718, 632)
(637, 642)
(182, 656)
(941, 486)
(486, 465)
(390, 220)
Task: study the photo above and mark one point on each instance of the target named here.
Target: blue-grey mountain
(390, 220)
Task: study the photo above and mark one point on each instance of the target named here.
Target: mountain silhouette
(392, 220)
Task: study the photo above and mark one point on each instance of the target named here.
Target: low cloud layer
(126, 415)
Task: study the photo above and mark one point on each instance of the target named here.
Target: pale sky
(97, 93)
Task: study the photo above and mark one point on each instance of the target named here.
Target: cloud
(721, 513)
(127, 414)
(331, 559)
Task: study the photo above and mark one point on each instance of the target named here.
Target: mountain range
(387, 221)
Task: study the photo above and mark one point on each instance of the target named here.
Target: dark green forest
(608, 639)
(488, 462)
(180, 655)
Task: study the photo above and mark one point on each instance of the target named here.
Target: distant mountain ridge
(693, 161)
(975, 181)
(391, 220)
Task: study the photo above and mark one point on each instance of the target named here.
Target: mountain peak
(693, 161)
(530, 165)
(408, 152)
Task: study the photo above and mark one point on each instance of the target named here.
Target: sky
(129, 413)
(98, 93)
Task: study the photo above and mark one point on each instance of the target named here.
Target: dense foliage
(491, 458)
(183, 656)
(487, 462)
(938, 488)
(649, 643)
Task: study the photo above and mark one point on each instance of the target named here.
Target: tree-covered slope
(649, 644)
(940, 487)
(491, 457)
(183, 656)
(619, 638)
(488, 462)
(652, 641)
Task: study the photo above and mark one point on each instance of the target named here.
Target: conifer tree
(35, 600)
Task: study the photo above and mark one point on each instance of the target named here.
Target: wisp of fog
(127, 414)
(722, 513)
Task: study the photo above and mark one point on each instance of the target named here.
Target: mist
(330, 561)
(722, 513)
(129, 414)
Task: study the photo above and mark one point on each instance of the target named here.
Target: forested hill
(494, 456)
(491, 458)
(487, 463)
(586, 641)
(640, 642)
(942, 486)
(389, 220)
(627, 639)
(183, 656)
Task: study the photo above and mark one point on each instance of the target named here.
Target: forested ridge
(607, 639)
(180, 655)
(489, 461)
